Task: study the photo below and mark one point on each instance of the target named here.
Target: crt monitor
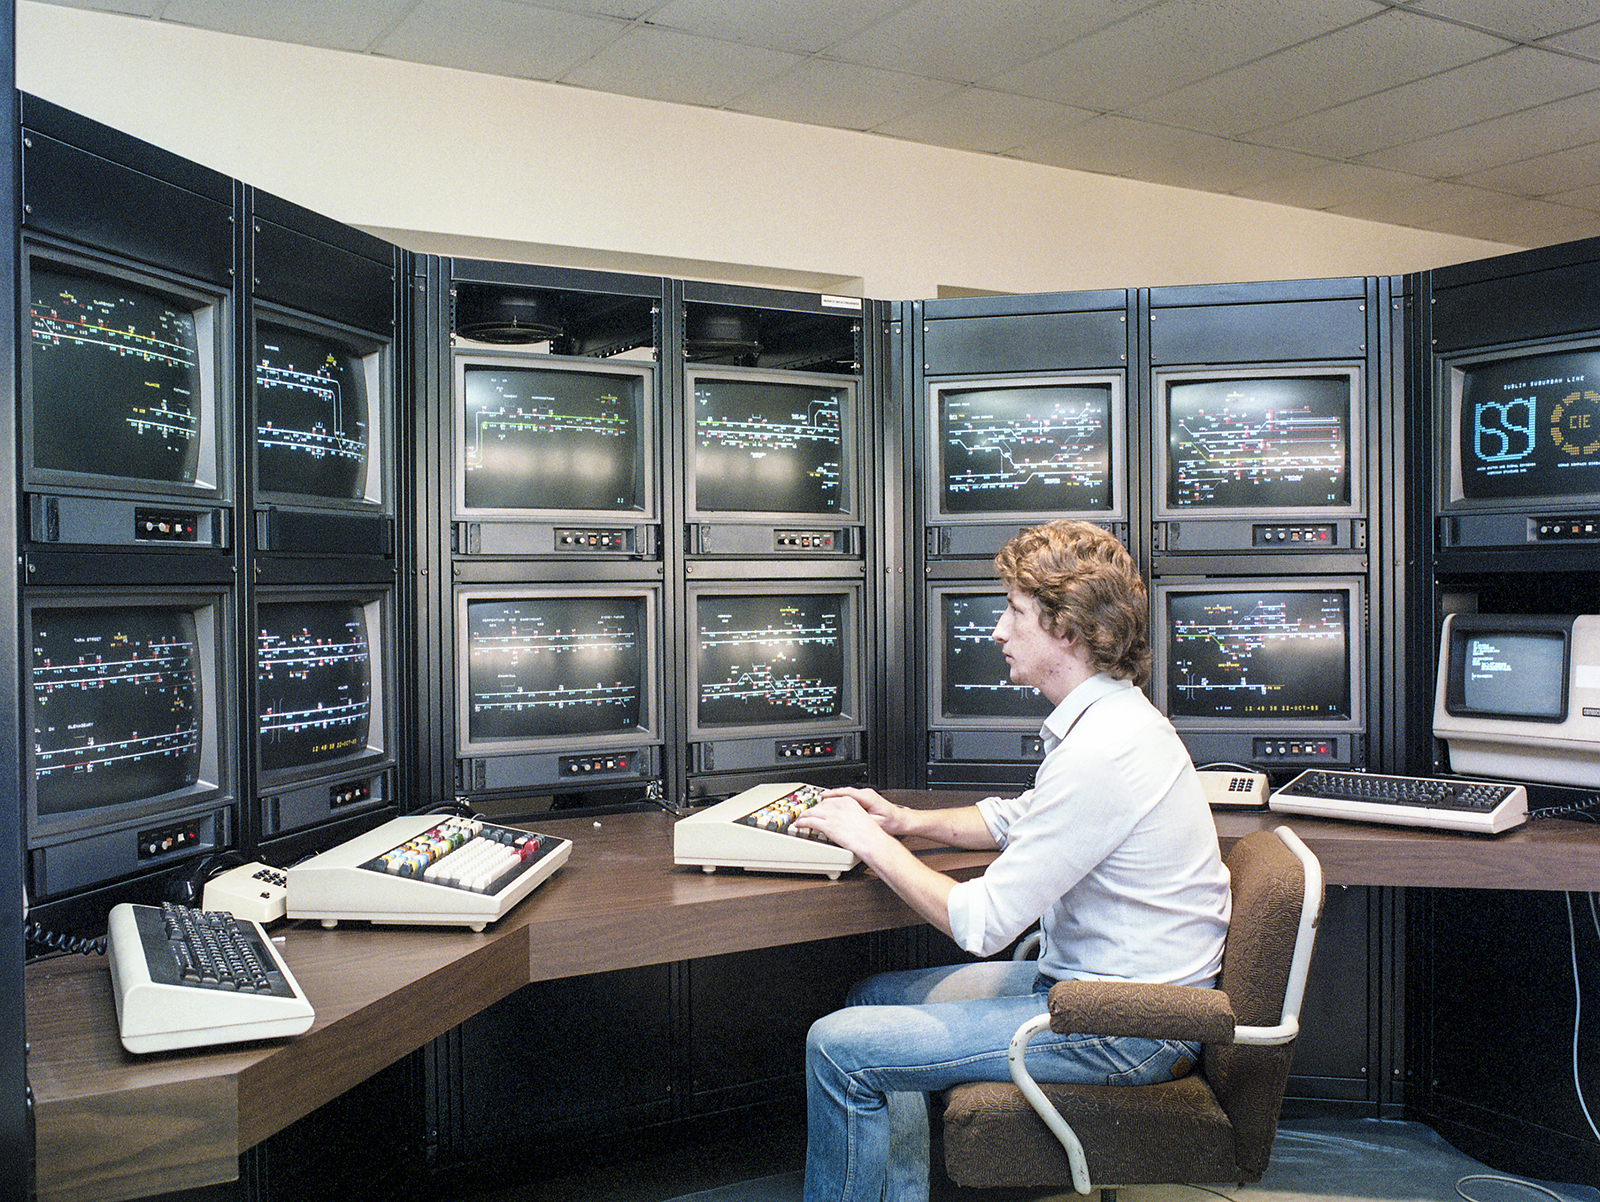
(553, 669)
(320, 414)
(1265, 670)
(1021, 448)
(1520, 431)
(544, 438)
(1258, 442)
(770, 446)
(123, 382)
(129, 765)
(774, 659)
(1518, 696)
(322, 697)
(969, 679)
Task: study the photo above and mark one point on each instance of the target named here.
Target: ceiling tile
(1525, 19)
(1546, 175)
(1497, 142)
(1585, 41)
(1524, 223)
(1426, 207)
(626, 10)
(843, 95)
(661, 64)
(1172, 44)
(1390, 49)
(981, 120)
(304, 22)
(1112, 145)
(970, 40)
(1417, 112)
(1491, 87)
(797, 26)
(131, 8)
(498, 37)
(1330, 184)
(1587, 197)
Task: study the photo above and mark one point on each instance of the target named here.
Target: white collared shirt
(1114, 850)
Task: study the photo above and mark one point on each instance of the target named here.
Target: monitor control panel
(1298, 751)
(807, 540)
(165, 526)
(1565, 529)
(614, 539)
(179, 837)
(725, 755)
(745, 539)
(808, 749)
(1342, 534)
(610, 764)
(295, 806)
(549, 539)
(110, 522)
(1319, 534)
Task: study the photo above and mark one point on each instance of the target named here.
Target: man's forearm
(920, 887)
(956, 826)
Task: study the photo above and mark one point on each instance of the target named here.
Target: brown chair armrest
(1150, 1011)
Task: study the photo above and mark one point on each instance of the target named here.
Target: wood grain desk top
(112, 1125)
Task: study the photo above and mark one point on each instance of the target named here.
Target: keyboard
(185, 978)
(754, 830)
(1482, 807)
(424, 868)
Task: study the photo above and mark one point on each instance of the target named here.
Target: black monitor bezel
(378, 605)
(850, 716)
(1355, 589)
(1161, 381)
(214, 475)
(649, 729)
(219, 752)
(938, 649)
(649, 508)
(376, 358)
(1449, 380)
(933, 466)
(1459, 626)
(849, 508)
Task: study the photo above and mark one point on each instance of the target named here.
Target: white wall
(450, 162)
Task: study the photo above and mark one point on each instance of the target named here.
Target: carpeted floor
(1315, 1160)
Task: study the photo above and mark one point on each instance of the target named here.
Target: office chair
(1215, 1125)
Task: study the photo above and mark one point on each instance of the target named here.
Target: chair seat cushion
(992, 1138)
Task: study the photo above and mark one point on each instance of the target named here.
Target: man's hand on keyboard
(852, 818)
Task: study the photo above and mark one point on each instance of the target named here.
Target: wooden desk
(111, 1125)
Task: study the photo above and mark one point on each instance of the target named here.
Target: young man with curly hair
(1113, 852)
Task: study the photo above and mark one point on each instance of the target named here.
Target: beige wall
(450, 162)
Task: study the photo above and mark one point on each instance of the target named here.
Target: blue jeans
(903, 1035)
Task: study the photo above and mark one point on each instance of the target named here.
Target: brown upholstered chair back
(1268, 886)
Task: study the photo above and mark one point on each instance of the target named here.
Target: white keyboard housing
(1227, 789)
(1447, 804)
(257, 891)
(385, 876)
(158, 1011)
(726, 835)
